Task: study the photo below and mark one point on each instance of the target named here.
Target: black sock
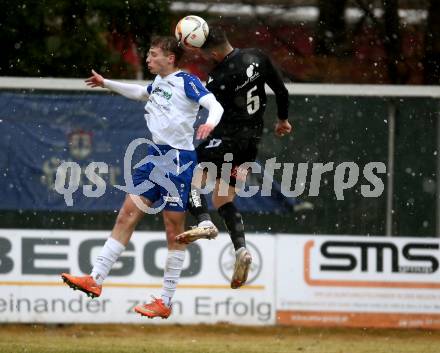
(198, 206)
(234, 223)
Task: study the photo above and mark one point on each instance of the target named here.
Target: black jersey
(238, 84)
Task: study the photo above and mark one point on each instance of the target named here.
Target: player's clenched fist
(282, 127)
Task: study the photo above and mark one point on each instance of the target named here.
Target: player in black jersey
(238, 81)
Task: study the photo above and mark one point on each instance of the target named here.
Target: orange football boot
(85, 284)
(156, 308)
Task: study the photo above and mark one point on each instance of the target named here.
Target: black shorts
(214, 149)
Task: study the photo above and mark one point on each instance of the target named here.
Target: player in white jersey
(173, 100)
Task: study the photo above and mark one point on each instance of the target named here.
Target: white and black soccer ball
(192, 31)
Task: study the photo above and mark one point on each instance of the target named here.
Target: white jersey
(172, 108)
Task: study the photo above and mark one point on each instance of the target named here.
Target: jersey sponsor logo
(251, 69)
(251, 73)
(162, 93)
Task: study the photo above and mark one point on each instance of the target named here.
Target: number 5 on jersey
(252, 102)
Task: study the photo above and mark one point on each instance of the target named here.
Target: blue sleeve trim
(194, 88)
(149, 88)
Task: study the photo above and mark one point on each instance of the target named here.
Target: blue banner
(40, 130)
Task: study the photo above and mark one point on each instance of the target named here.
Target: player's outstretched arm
(129, 90)
(275, 82)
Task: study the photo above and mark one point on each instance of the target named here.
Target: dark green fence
(342, 129)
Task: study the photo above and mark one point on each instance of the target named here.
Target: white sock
(238, 251)
(110, 252)
(173, 268)
(206, 224)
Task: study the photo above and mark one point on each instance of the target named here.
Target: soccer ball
(192, 31)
